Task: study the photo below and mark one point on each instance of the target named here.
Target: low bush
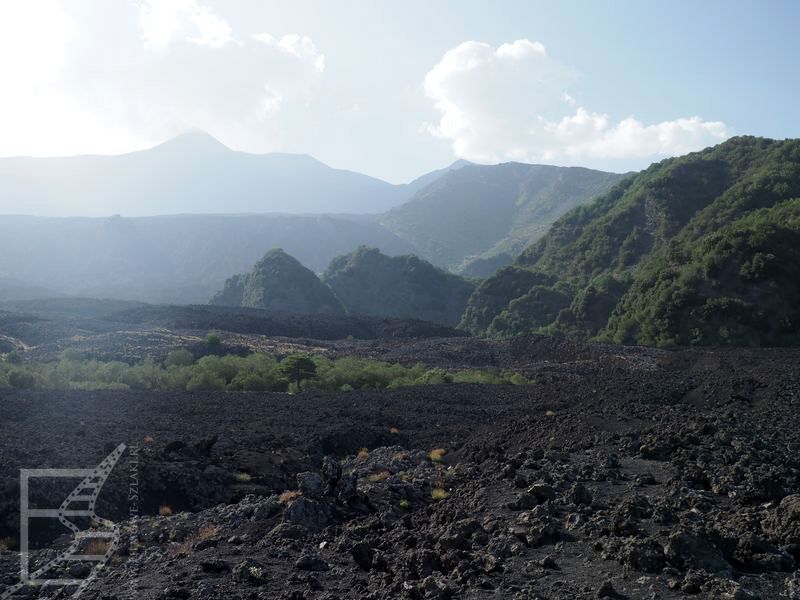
(255, 372)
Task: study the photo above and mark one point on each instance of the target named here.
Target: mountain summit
(195, 141)
(192, 173)
(279, 282)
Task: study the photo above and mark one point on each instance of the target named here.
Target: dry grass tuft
(439, 494)
(97, 547)
(363, 454)
(437, 454)
(394, 430)
(165, 511)
(289, 496)
(379, 476)
(206, 533)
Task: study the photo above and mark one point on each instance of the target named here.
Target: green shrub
(255, 372)
(205, 380)
(177, 378)
(298, 367)
(21, 379)
(213, 342)
(71, 354)
(179, 358)
(436, 377)
(219, 367)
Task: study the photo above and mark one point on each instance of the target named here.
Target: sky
(396, 89)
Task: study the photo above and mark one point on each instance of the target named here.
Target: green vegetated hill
(701, 249)
(363, 283)
(279, 282)
(481, 211)
(481, 268)
(370, 283)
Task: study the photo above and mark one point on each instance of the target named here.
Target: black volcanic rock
(391, 521)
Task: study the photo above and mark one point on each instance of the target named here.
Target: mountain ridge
(193, 173)
(491, 209)
(698, 249)
(362, 283)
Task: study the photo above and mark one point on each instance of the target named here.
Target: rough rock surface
(615, 475)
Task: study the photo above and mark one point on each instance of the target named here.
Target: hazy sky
(394, 89)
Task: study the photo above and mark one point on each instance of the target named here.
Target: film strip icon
(79, 504)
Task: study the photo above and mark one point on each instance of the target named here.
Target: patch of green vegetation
(700, 249)
(297, 368)
(438, 494)
(179, 358)
(255, 372)
(213, 342)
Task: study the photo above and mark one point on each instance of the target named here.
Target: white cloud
(301, 47)
(509, 103)
(166, 21)
(123, 74)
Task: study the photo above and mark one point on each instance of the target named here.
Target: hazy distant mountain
(482, 211)
(427, 179)
(481, 268)
(192, 173)
(13, 289)
(183, 259)
(456, 215)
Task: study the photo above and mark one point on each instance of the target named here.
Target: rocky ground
(117, 330)
(619, 473)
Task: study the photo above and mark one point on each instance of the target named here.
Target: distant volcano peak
(193, 141)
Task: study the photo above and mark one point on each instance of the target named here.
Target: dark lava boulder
(784, 524)
(686, 551)
(644, 555)
(311, 514)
